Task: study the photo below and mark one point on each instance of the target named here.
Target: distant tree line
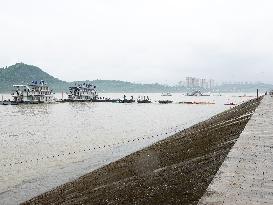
(21, 73)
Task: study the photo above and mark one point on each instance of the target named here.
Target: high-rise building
(211, 84)
(189, 82)
(192, 82)
(204, 83)
(196, 82)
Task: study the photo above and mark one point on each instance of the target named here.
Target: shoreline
(175, 170)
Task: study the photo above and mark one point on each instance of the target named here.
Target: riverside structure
(246, 176)
(176, 170)
(33, 93)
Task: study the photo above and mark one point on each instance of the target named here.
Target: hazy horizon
(140, 41)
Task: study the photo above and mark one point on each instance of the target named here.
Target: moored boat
(124, 100)
(82, 93)
(166, 94)
(197, 103)
(197, 93)
(104, 99)
(5, 102)
(33, 93)
(165, 101)
(144, 99)
(232, 104)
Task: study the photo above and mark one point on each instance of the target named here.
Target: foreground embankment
(246, 176)
(176, 170)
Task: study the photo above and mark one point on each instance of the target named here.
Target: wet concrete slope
(246, 176)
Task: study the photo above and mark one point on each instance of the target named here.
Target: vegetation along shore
(21, 73)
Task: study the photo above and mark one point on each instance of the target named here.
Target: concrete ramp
(246, 175)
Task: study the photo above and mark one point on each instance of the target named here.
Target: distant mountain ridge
(21, 73)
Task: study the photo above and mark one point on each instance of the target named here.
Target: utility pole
(257, 94)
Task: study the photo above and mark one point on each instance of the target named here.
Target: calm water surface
(45, 145)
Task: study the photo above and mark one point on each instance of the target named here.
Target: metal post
(257, 93)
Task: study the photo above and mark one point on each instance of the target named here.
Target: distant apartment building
(192, 82)
(204, 83)
(189, 82)
(211, 84)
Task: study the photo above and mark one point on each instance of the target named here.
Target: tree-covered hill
(21, 73)
(123, 86)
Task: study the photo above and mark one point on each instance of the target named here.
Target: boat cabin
(35, 92)
(82, 92)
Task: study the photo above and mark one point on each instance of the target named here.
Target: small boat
(205, 103)
(103, 99)
(166, 94)
(186, 102)
(246, 96)
(124, 100)
(197, 93)
(165, 101)
(197, 103)
(144, 99)
(5, 103)
(230, 104)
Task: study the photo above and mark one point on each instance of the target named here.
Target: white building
(192, 82)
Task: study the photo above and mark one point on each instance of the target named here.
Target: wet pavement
(246, 175)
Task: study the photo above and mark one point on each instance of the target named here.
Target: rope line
(171, 131)
(175, 130)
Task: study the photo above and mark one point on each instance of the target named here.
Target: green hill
(21, 73)
(122, 86)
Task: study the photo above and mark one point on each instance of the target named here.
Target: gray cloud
(142, 41)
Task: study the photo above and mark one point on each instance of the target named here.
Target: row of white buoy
(171, 131)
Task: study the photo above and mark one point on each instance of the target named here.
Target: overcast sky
(142, 40)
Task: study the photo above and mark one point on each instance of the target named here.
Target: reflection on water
(31, 110)
(48, 144)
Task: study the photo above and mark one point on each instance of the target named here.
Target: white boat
(166, 94)
(197, 93)
(82, 92)
(144, 99)
(34, 93)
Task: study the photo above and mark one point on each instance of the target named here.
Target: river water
(43, 146)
